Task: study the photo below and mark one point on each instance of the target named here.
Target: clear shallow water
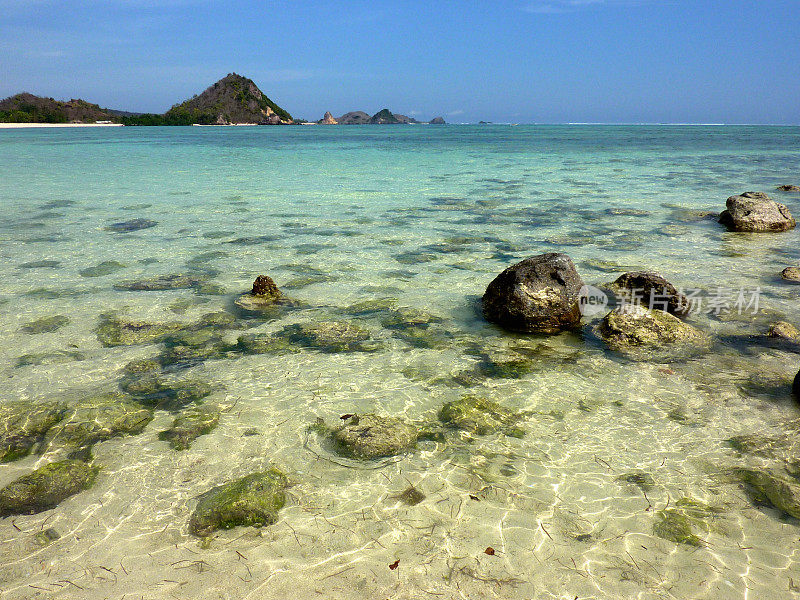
(426, 216)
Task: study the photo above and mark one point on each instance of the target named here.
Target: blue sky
(520, 61)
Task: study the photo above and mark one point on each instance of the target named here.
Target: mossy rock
(643, 334)
(193, 346)
(264, 296)
(425, 337)
(98, 419)
(174, 281)
(190, 425)
(218, 320)
(253, 500)
(23, 426)
(779, 491)
(46, 487)
(142, 366)
(153, 390)
(46, 324)
(506, 363)
(371, 436)
(481, 416)
(265, 343)
(107, 267)
(50, 358)
(368, 308)
(116, 332)
(329, 336)
(403, 318)
(757, 445)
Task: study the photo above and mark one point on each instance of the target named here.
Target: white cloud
(563, 6)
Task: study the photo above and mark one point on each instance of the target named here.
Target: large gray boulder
(538, 295)
(755, 211)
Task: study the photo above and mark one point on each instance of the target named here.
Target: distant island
(233, 100)
(382, 117)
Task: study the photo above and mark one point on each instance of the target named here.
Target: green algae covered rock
(481, 416)
(46, 487)
(371, 436)
(98, 419)
(116, 332)
(772, 488)
(674, 526)
(680, 523)
(46, 324)
(154, 390)
(329, 336)
(264, 295)
(50, 358)
(265, 343)
(641, 334)
(253, 500)
(187, 427)
(24, 425)
(174, 281)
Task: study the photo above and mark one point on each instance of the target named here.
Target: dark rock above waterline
(788, 188)
(651, 290)
(756, 212)
(538, 295)
(791, 274)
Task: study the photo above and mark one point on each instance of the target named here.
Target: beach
(393, 234)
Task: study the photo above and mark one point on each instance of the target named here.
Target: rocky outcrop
(357, 117)
(538, 295)
(253, 500)
(756, 212)
(372, 436)
(27, 108)
(641, 333)
(791, 274)
(788, 188)
(796, 385)
(651, 290)
(384, 117)
(328, 119)
(481, 416)
(437, 121)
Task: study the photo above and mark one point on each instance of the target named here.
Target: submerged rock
(46, 487)
(788, 188)
(153, 390)
(253, 500)
(265, 343)
(538, 295)
(756, 212)
(46, 324)
(107, 267)
(641, 333)
(329, 336)
(23, 426)
(194, 345)
(481, 417)
(175, 281)
(190, 425)
(651, 290)
(50, 358)
(113, 331)
(791, 274)
(132, 225)
(372, 436)
(774, 488)
(98, 419)
(641, 479)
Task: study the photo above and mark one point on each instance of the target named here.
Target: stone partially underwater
(756, 212)
(538, 295)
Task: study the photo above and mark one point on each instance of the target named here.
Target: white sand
(40, 125)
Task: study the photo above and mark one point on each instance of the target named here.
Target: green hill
(232, 100)
(27, 108)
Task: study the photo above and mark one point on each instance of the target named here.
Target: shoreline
(59, 125)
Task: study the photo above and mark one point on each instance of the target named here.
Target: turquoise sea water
(421, 218)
